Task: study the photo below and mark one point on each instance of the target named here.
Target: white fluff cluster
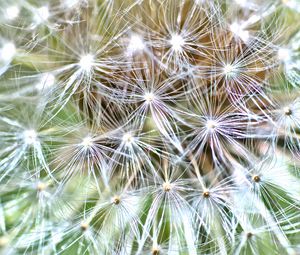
(149, 127)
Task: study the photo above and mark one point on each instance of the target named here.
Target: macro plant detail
(149, 127)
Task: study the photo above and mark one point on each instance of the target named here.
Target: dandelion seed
(217, 128)
(286, 121)
(12, 12)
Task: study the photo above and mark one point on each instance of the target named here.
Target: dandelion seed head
(86, 62)
(87, 142)
(136, 44)
(8, 51)
(149, 97)
(196, 110)
(30, 137)
(238, 30)
(12, 12)
(177, 42)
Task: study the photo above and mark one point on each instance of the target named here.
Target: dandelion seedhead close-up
(134, 127)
